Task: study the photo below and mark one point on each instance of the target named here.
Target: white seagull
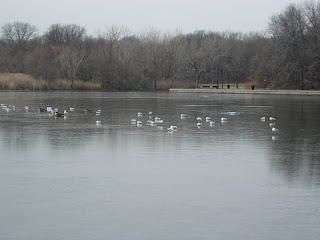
(172, 128)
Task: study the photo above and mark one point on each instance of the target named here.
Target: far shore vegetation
(286, 55)
(19, 81)
(24, 82)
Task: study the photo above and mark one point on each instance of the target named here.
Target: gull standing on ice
(224, 119)
(172, 128)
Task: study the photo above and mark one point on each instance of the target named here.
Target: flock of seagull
(172, 128)
(272, 123)
(52, 111)
(157, 120)
(151, 121)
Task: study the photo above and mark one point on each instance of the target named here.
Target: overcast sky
(140, 15)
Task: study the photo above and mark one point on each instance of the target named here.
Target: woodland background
(284, 56)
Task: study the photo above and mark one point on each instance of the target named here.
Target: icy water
(69, 178)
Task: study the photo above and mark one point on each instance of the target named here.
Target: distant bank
(246, 91)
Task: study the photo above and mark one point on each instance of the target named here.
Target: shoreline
(247, 91)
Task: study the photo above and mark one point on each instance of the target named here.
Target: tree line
(286, 55)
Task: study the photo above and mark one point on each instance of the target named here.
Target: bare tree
(68, 63)
(312, 15)
(16, 39)
(289, 32)
(70, 34)
(55, 35)
(74, 33)
(196, 56)
(18, 32)
(128, 60)
(109, 54)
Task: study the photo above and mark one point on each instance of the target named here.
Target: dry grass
(80, 85)
(19, 81)
(62, 84)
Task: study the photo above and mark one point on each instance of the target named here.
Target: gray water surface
(68, 178)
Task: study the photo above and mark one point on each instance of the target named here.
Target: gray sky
(140, 15)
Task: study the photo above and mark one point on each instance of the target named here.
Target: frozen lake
(69, 178)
